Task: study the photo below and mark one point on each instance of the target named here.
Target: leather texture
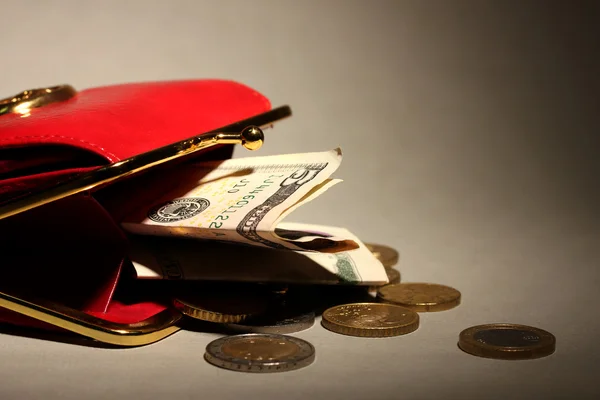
(72, 251)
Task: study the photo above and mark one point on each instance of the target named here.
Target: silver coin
(281, 324)
(258, 352)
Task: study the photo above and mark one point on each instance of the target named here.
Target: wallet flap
(122, 121)
(104, 125)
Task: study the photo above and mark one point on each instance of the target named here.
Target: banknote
(243, 200)
(184, 259)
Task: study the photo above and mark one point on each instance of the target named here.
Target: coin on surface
(507, 341)
(370, 320)
(388, 256)
(279, 323)
(221, 306)
(420, 297)
(256, 352)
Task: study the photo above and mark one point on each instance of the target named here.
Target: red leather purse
(67, 251)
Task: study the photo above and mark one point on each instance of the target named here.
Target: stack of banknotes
(225, 222)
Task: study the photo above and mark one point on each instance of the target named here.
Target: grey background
(470, 135)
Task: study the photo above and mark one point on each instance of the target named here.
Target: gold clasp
(27, 100)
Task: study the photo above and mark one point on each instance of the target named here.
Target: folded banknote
(243, 201)
(189, 259)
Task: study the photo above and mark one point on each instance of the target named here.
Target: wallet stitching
(61, 137)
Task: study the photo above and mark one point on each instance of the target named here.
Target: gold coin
(221, 307)
(388, 256)
(507, 341)
(393, 277)
(420, 297)
(370, 320)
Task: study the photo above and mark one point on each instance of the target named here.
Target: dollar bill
(243, 200)
(184, 259)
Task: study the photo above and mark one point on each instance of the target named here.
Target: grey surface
(470, 135)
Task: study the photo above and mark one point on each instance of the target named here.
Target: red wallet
(71, 252)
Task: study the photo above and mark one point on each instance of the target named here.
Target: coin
(388, 256)
(420, 296)
(393, 277)
(278, 324)
(260, 353)
(221, 306)
(370, 320)
(507, 341)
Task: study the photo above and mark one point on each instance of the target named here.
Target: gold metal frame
(244, 132)
(140, 333)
